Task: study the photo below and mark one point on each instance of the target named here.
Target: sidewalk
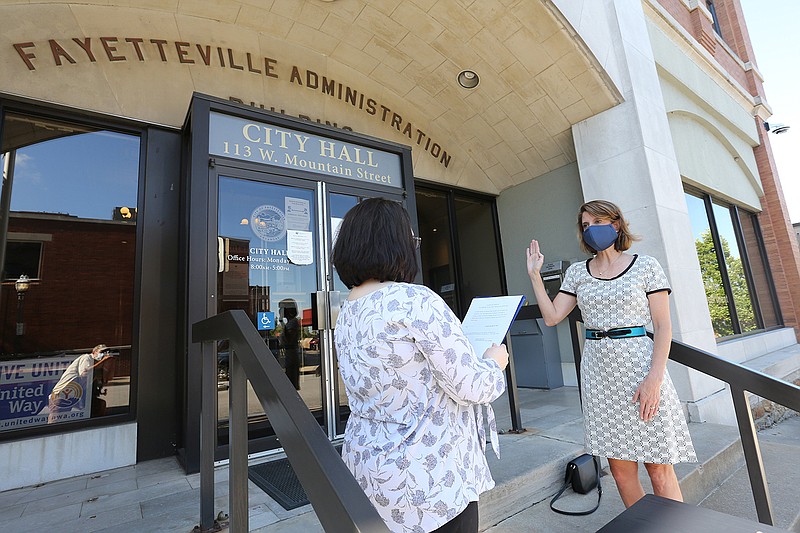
(156, 496)
(780, 448)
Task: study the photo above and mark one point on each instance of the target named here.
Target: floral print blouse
(415, 439)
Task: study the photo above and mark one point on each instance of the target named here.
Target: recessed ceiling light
(468, 79)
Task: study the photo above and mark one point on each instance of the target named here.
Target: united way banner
(25, 386)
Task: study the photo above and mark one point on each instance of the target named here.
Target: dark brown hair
(606, 209)
(375, 241)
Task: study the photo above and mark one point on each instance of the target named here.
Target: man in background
(74, 385)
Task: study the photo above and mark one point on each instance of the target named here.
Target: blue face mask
(600, 237)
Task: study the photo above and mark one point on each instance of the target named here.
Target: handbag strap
(568, 483)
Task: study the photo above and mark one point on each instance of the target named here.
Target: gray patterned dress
(612, 369)
(415, 439)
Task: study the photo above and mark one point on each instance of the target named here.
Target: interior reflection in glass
(69, 202)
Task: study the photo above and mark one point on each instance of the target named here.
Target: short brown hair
(375, 241)
(606, 209)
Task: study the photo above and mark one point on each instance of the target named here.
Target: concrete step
(531, 469)
(780, 450)
(719, 456)
(783, 364)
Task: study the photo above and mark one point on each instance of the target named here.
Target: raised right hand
(535, 258)
(499, 353)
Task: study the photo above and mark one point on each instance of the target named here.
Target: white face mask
(99, 355)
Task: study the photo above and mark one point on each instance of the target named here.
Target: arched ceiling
(537, 78)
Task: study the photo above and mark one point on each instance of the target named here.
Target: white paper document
(489, 319)
(299, 247)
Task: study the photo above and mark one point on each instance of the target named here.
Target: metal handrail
(741, 380)
(337, 499)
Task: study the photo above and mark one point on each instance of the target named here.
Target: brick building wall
(84, 296)
(779, 237)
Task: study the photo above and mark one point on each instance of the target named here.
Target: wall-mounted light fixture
(22, 285)
(468, 79)
(776, 127)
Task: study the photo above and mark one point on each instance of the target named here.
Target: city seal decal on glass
(268, 223)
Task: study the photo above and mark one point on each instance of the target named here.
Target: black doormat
(278, 480)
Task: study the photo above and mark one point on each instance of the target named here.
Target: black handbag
(583, 474)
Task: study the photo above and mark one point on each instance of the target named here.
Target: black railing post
(752, 456)
(340, 503)
(741, 379)
(573, 319)
(237, 431)
(208, 430)
(511, 390)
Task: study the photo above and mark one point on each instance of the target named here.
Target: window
(460, 225)
(738, 285)
(714, 21)
(22, 258)
(67, 249)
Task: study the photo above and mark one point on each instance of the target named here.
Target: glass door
(273, 262)
(261, 212)
(338, 204)
(269, 266)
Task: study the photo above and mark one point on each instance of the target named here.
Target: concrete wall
(712, 128)
(589, 20)
(543, 209)
(38, 460)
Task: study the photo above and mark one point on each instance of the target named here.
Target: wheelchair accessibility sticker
(266, 320)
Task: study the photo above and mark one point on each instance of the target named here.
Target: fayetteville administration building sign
(61, 53)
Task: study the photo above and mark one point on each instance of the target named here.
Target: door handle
(319, 316)
(325, 307)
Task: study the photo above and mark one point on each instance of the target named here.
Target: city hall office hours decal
(270, 224)
(287, 148)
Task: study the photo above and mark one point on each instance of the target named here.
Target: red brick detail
(779, 237)
(700, 27)
(703, 30)
(86, 292)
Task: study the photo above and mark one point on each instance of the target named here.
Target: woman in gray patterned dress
(417, 390)
(631, 410)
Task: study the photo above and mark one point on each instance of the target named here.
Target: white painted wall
(38, 460)
(713, 128)
(708, 160)
(544, 209)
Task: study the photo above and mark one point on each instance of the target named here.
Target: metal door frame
(199, 225)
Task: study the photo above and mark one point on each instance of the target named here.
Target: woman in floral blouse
(415, 439)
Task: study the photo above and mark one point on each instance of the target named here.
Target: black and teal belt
(616, 333)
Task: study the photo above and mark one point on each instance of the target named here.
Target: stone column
(626, 155)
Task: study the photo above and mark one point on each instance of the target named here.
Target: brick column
(779, 237)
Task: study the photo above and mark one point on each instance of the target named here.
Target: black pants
(465, 522)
